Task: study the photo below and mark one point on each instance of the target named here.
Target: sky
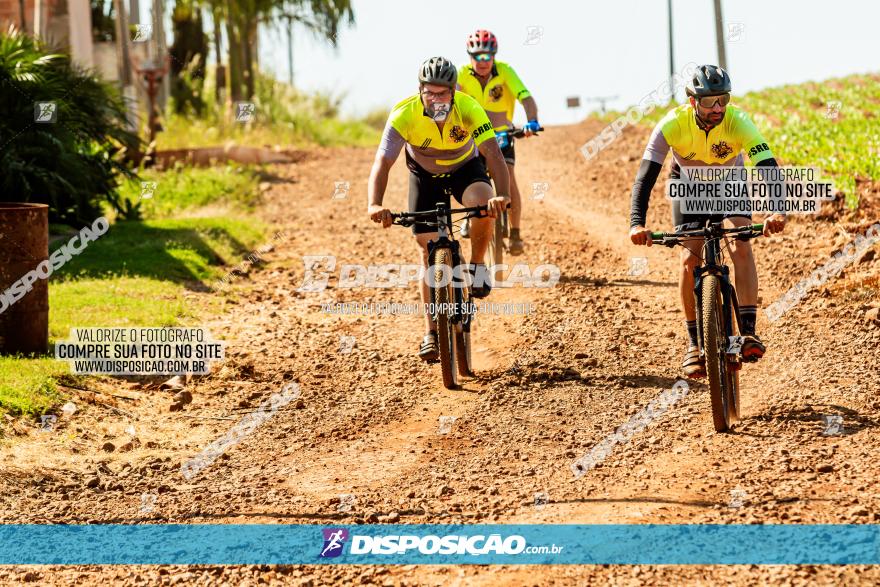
(588, 48)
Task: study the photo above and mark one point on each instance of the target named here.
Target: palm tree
(241, 19)
(72, 161)
(321, 17)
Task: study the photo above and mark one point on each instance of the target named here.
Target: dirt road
(369, 442)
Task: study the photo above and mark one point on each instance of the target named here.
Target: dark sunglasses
(483, 57)
(710, 101)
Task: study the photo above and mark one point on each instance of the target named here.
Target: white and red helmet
(482, 41)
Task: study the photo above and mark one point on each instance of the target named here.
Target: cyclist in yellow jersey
(444, 132)
(706, 131)
(497, 88)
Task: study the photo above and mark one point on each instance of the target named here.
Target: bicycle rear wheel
(443, 300)
(732, 397)
(732, 368)
(715, 349)
(495, 254)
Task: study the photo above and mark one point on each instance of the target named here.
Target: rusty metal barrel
(24, 289)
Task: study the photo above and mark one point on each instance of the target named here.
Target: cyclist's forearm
(531, 108)
(647, 176)
(497, 167)
(389, 149)
(378, 183)
(771, 162)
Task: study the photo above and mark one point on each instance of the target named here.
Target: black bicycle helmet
(708, 80)
(440, 71)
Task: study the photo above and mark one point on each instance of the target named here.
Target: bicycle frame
(713, 264)
(463, 312)
(446, 241)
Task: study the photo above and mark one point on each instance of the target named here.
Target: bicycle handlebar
(410, 218)
(518, 133)
(673, 238)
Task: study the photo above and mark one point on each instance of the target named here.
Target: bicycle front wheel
(443, 300)
(715, 349)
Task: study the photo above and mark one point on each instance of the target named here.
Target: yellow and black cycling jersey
(503, 90)
(464, 130)
(691, 145)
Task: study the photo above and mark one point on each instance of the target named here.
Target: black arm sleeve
(647, 176)
(771, 162)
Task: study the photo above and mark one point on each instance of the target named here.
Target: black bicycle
(502, 231)
(720, 345)
(452, 308)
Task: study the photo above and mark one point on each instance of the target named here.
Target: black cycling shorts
(681, 221)
(426, 190)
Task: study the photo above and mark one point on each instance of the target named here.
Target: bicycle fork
(463, 309)
(729, 310)
(464, 314)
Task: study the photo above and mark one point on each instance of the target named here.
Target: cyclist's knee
(689, 261)
(477, 194)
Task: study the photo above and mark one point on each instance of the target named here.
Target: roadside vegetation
(813, 125)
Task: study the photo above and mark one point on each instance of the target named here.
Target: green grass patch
(138, 274)
(283, 116)
(117, 301)
(182, 189)
(183, 251)
(27, 386)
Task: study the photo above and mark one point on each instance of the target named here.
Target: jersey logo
(721, 150)
(496, 92)
(425, 144)
(480, 130)
(457, 134)
(690, 155)
(757, 149)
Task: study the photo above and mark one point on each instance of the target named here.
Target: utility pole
(719, 35)
(671, 55)
(123, 64)
(134, 12)
(161, 51)
(122, 56)
(290, 49)
(38, 18)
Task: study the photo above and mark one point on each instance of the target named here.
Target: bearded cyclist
(706, 131)
(497, 88)
(443, 131)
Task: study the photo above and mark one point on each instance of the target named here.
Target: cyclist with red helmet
(495, 85)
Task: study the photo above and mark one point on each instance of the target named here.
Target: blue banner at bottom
(183, 544)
